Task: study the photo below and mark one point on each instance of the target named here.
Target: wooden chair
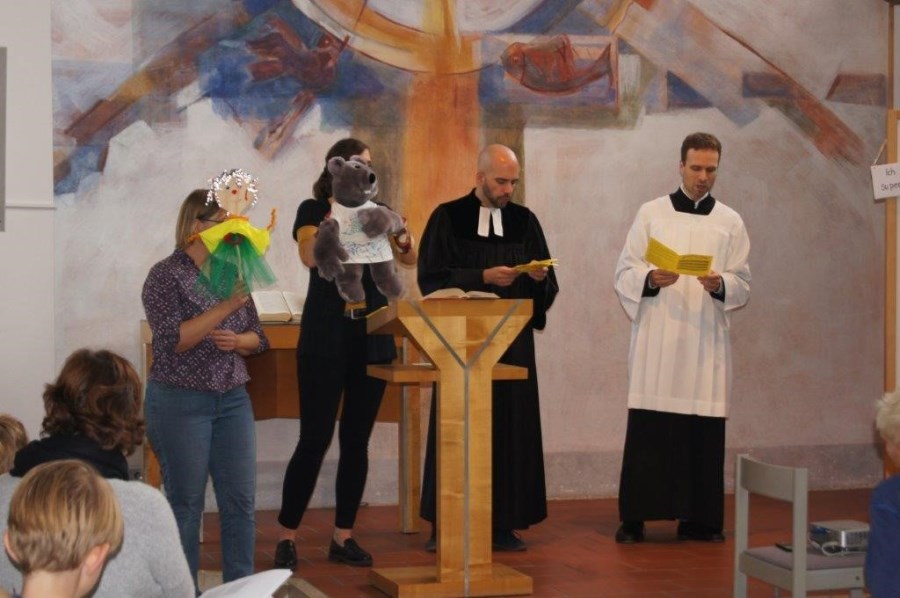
(799, 570)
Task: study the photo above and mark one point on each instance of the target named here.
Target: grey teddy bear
(356, 233)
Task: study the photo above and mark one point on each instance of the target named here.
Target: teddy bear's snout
(371, 178)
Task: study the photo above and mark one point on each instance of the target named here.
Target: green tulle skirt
(234, 260)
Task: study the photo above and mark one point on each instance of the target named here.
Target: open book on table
(278, 306)
(454, 293)
(667, 258)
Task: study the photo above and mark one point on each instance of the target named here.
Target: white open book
(258, 585)
(454, 293)
(278, 306)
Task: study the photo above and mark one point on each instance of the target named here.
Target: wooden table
(464, 339)
(274, 394)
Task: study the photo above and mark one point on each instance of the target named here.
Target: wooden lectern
(464, 339)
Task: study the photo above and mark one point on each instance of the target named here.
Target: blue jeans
(197, 434)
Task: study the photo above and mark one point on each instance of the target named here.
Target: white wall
(26, 247)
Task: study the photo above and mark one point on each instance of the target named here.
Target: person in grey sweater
(93, 413)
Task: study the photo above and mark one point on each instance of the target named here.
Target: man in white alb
(680, 357)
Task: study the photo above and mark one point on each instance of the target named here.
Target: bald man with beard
(472, 243)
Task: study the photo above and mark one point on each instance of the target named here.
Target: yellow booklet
(666, 258)
(536, 265)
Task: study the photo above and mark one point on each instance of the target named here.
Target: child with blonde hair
(64, 522)
(12, 438)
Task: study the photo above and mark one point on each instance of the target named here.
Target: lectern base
(408, 582)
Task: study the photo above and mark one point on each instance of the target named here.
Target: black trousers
(673, 468)
(322, 381)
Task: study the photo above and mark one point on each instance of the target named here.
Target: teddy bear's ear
(336, 164)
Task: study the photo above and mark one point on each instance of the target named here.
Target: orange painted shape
(441, 145)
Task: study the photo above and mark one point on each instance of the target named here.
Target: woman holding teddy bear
(332, 356)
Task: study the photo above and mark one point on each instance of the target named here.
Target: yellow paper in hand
(536, 265)
(667, 258)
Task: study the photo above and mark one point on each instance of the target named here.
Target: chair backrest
(788, 484)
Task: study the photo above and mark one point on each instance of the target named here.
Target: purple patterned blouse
(171, 297)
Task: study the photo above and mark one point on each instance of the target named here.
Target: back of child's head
(12, 438)
(59, 512)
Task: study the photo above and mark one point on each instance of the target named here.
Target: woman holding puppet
(199, 416)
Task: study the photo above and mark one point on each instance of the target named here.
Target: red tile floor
(571, 554)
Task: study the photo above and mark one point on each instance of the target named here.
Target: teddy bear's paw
(379, 221)
(328, 226)
(391, 288)
(371, 222)
(329, 253)
(330, 269)
(387, 279)
(353, 294)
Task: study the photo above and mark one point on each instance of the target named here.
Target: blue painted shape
(546, 16)
(682, 95)
(83, 161)
(255, 7)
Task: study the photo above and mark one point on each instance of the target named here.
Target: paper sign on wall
(886, 180)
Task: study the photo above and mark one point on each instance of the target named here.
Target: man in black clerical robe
(472, 243)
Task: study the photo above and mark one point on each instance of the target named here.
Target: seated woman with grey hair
(883, 554)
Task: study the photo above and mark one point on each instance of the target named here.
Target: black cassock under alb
(673, 468)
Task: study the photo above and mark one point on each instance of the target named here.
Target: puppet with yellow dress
(236, 247)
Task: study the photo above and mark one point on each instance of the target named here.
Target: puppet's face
(234, 191)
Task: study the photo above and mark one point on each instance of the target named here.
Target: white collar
(487, 216)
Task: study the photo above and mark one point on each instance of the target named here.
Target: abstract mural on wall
(264, 63)
(153, 97)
